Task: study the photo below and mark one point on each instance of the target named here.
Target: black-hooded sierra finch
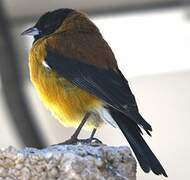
(76, 76)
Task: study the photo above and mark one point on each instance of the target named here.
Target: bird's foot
(89, 141)
(70, 141)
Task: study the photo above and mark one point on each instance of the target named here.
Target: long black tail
(132, 132)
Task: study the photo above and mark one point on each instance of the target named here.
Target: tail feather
(132, 132)
(136, 117)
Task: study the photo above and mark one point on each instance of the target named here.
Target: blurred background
(151, 41)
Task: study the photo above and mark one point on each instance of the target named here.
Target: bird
(76, 75)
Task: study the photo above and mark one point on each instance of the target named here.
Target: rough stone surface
(68, 162)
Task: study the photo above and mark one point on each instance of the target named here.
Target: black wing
(106, 84)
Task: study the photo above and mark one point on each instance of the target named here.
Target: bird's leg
(91, 139)
(96, 140)
(74, 137)
(93, 133)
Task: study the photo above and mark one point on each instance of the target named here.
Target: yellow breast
(66, 101)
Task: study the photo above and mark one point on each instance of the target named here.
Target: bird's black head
(48, 23)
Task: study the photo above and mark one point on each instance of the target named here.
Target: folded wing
(107, 84)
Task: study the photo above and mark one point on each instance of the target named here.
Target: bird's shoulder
(86, 47)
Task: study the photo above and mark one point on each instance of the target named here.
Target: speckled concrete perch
(68, 162)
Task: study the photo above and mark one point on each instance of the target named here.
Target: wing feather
(106, 84)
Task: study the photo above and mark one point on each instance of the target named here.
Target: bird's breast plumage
(66, 101)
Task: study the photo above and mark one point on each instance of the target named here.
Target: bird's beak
(33, 31)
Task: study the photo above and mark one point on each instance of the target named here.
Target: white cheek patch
(45, 64)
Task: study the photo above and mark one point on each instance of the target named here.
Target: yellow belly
(66, 102)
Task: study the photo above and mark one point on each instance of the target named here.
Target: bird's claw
(72, 141)
(90, 141)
